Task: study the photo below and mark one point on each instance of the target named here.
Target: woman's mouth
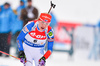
(42, 27)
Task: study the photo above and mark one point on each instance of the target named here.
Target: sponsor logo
(50, 33)
(41, 42)
(37, 36)
(45, 20)
(25, 30)
(18, 43)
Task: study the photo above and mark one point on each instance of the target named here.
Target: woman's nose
(44, 25)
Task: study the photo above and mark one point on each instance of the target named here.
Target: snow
(56, 59)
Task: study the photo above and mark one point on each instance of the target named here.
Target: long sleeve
(22, 35)
(50, 40)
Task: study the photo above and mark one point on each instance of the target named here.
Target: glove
(22, 57)
(42, 61)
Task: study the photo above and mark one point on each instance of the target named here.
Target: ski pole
(52, 5)
(9, 55)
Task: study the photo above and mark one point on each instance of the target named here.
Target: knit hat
(45, 17)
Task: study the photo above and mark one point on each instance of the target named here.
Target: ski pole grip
(52, 5)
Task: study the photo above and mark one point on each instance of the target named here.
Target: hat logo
(45, 20)
(46, 17)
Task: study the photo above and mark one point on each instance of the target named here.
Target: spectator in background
(5, 28)
(1, 10)
(29, 13)
(20, 7)
(1, 46)
(18, 24)
(19, 21)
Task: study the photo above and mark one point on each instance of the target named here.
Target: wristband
(47, 54)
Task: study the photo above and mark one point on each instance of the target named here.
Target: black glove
(22, 54)
(42, 61)
(22, 57)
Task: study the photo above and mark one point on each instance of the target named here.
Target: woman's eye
(43, 22)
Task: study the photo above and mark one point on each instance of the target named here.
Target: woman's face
(43, 25)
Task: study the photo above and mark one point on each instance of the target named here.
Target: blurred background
(76, 25)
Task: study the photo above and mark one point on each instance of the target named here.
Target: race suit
(32, 41)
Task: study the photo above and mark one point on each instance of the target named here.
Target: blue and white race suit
(32, 41)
